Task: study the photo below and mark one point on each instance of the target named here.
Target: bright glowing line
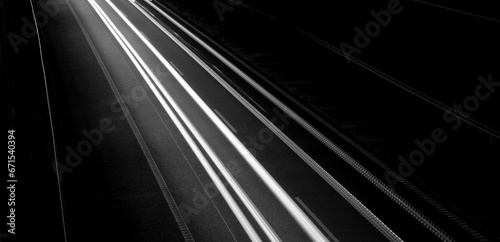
(135, 59)
(304, 221)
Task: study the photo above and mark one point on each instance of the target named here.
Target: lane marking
(124, 14)
(225, 121)
(317, 220)
(143, 34)
(143, 68)
(307, 225)
(177, 69)
(53, 138)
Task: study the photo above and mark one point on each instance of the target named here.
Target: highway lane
(199, 136)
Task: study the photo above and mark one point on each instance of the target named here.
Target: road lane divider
(225, 120)
(144, 70)
(143, 34)
(177, 69)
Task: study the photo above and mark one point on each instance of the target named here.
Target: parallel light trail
(373, 219)
(313, 232)
(227, 175)
(376, 222)
(309, 227)
(140, 64)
